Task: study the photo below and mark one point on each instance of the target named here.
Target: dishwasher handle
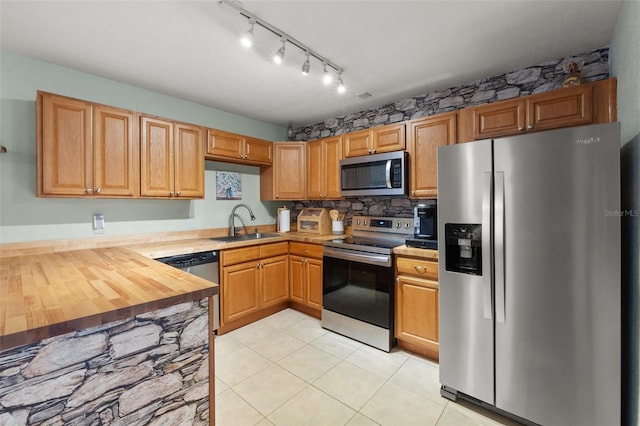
(183, 261)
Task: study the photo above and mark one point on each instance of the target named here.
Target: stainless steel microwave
(378, 174)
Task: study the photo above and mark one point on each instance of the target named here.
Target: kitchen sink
(245, 237)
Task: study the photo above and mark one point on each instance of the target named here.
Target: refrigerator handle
(486, 246)
(499, 247)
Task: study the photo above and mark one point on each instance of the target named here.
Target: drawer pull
(420, 269)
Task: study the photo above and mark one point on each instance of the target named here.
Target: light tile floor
(287, 370)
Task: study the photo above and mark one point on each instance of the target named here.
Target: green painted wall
(625, 65)
(24, 217)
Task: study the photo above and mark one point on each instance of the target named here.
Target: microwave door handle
(388, 173)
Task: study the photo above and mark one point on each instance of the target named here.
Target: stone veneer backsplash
(152, 369)
(539, 78)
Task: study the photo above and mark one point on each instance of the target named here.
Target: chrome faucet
(232, 227)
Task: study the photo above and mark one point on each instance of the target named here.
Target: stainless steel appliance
(529, 275)
(204, 265)
(425, 223)
(378, 174)
(358, 280)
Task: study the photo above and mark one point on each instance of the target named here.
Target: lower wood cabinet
(417, 305)
(254, 283)
(305, 266)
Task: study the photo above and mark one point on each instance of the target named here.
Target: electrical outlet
(98, 223)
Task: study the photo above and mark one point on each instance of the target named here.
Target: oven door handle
(370, 258)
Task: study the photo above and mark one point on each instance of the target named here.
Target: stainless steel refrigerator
(529, 264)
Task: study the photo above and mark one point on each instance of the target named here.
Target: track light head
(279, 56)
(305, 66)
(326, 76)
(341, 87)
(247, 38)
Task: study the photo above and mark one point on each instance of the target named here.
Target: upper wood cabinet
(374, 141)
(286, 178)
(425, 136)
(172, 160)
(85, 149)
(231, 147)
(572, 106)
(323, 168)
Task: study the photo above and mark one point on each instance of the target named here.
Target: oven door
(359, 285)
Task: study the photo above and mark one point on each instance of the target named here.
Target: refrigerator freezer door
(466, 328)
(558, 349)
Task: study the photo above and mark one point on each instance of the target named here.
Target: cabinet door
(499, 119)
(240, 291)
(332, 154)
(189, 161)
(65, 148)
(275, 281)
(225, 145)
(425, 136)
(296, 278)
(289, 171)
(417, 310)
(560, 108)
(156, 158)
(115, 168)
(314, 283)
(358, 143)
(315, 170)
(389, 138)
(258, 151)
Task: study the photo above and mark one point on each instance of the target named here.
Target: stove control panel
(396, 225)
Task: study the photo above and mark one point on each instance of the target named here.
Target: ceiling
(390, 49)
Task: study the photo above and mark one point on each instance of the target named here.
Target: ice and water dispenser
(463, 242)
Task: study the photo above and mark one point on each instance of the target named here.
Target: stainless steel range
(358, 280)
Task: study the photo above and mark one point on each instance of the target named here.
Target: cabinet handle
(99, 190)
(413, 192)
(530, 126)
(171, 194)
(178, 193)
(89, 190)
(374, 150)
(420, 269)
(520, 128)
(277, 195)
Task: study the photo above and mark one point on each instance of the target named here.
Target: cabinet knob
(369, 151)
(277, 195)
(520, 128)
(171, 194)
(179, 193)
(374, 150)
(89, 190)
(530, 126)
(420, 269)
(99, 190)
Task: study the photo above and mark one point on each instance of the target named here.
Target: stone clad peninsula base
(152, 369)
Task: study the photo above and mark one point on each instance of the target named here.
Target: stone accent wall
(539, 78)
(152, 369)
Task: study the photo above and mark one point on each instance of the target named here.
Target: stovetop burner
(375, 234)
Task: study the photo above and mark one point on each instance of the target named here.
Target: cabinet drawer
(306, 250)
(245, 254)
(275, 249)
(417, 267)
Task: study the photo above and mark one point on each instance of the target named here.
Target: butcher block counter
(50, 294)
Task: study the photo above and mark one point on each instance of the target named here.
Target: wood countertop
(416, 252)
(56, 293)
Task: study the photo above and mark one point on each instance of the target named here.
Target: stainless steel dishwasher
(204, 265)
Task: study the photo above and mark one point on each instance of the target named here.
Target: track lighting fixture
(247, 40)
(326, 76)
(305, 66)
(279, 56)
